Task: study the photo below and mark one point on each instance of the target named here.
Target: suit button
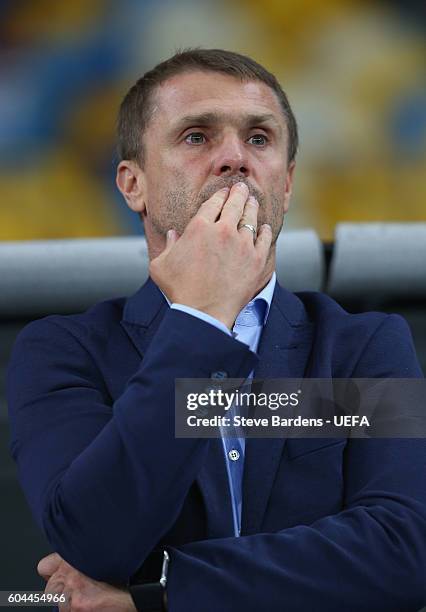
(234, 455)
(219, 375)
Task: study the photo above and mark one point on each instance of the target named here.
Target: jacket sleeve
(105, 482)
(370, 557)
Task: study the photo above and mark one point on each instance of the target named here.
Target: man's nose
(231, 158)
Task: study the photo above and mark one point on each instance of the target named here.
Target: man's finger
(55, 585)
(249, 216)
(212, 207)
(234, 205)
(264, 240)
(48, 565)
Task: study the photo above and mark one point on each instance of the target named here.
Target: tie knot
(252, 314)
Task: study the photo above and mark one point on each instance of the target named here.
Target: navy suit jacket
(328, 525)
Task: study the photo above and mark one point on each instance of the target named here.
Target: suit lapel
(143, 314)
(283, 351)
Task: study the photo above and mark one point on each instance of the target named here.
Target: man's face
(209, 130)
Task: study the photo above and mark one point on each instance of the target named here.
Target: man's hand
(215, 266)
(83, 594)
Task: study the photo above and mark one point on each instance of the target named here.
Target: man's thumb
(48, 565)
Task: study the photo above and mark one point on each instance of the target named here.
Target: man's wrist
(204, 316)
(148, 589)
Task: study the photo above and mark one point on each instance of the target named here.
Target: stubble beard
(180, 205)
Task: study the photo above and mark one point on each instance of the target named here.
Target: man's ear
(288, 185)
(130, 180)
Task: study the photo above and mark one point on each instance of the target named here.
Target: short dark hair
(136, 107)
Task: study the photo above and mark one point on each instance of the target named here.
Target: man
(208, 144)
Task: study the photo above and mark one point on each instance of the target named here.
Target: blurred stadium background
(354, 72)
(355, 75)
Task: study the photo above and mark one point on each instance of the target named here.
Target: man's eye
(258, 139)
(195, 138)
